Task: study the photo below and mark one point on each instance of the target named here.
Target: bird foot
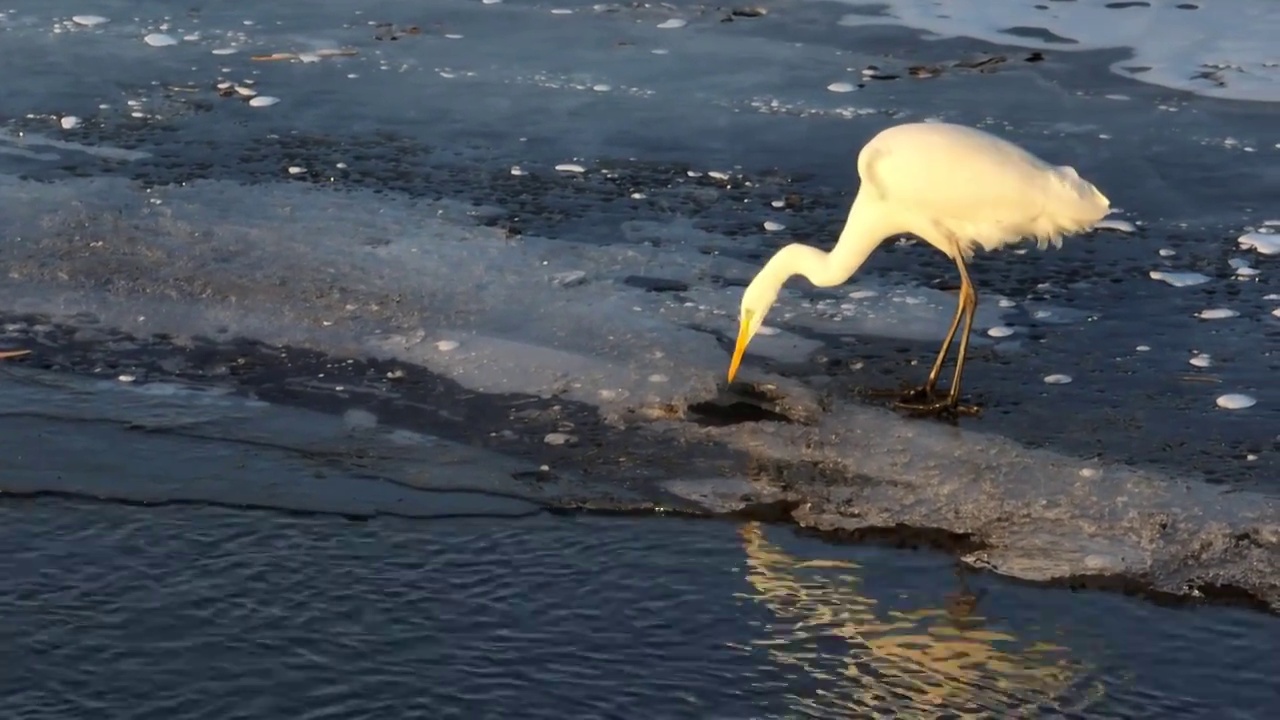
(924, 401)
(929, 405)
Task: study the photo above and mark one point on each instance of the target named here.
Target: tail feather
(1073, 205)
(1084, 191)
(1081, 205)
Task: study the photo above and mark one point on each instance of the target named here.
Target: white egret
(957, 188)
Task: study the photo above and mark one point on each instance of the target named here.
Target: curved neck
(863, 232)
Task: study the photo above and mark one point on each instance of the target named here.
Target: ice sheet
(287, 264)
(215, 254)
(1216, 49)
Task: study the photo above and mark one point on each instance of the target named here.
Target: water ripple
(117, 611)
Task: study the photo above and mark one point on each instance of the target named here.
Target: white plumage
(973, 186)
(957, 188)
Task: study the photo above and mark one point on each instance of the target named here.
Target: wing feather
(980, 189)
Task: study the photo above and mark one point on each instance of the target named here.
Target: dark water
(113, 611)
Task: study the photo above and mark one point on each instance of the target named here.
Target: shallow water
(114, 611)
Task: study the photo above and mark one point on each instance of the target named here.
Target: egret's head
(756, 301)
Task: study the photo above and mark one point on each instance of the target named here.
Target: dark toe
(945, 408)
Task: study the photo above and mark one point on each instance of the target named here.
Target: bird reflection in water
(927, 663)
(962, 603)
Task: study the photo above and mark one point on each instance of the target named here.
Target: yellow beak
(744, 337)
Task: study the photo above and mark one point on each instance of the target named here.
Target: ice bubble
(1123, 226)
(1180, 279)
(1264, 243)
(160, 40)
(1242, 268)
(1217, 314)
(1236, 401)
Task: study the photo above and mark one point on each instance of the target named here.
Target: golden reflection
(926, 663)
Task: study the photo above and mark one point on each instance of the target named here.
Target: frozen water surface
(1223, 50)
(603, 278)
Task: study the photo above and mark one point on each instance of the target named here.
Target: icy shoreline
(466, 303)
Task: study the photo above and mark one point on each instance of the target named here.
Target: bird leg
(920, 393)
(961, 604)
(924, 400)
(927, 392)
